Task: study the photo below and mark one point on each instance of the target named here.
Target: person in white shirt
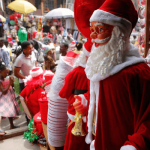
(25, 62)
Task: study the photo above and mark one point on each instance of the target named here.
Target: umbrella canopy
(22, 6)
(60, 13)
(2, 19)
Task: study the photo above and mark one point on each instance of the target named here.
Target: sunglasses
(98, 29)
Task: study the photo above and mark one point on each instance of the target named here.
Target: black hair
(79, 45)
(31, 42)
(36, 46)
(6, 42)
(59, 32)
(66, 45)
(2, 66)
(25, 44)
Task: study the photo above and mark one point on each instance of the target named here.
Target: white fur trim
(148, 59)
(85, 51)
(92, 145)
(48, 72)
(128, 147)
(82, 65)
(71, 117)
(83, 100)
(27, 79)
(81, 61)
(108, 18)
(36, 73)
(84, 103)
(94, 96)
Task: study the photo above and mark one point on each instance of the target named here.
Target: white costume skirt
(57, 122)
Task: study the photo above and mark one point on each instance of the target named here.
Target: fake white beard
(103, 58)
(81, 60)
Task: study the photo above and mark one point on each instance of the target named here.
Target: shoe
(2, 132)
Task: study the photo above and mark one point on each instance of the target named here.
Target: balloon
(12, 17)
(18, 15)
(12, 22)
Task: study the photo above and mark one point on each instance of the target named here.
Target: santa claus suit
(73, 86)
(33, 89)
(122, 95)
(57, 106)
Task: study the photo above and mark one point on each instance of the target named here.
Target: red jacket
(76, 79)
(124, 109)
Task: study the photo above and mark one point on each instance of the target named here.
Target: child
(78, 48)
(49, 63)
(8, 105)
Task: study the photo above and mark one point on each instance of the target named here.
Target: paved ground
(16, 143)
(18, 122)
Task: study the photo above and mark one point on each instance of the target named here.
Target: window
(38, 4)
(49, 4)
(59, 2)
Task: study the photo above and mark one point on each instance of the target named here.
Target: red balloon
(18, 15)
(11, 17)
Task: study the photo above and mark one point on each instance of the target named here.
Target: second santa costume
(73, 86)
(57, 106)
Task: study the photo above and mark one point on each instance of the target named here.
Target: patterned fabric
(8, 104)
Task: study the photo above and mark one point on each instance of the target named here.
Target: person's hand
(78, 106)
(11, 80)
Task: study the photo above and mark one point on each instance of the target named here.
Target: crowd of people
(16, 62)
(94, 95)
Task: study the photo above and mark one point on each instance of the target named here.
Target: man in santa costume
(119, 109)
(73, 86)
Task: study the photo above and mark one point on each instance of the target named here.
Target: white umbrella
(60, 13)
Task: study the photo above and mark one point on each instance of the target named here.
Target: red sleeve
(141, 109)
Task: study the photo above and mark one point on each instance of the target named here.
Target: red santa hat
(35, 72)
(121, 13)
(72, 45)
(87, 47)
(83, 10)
(71, 57)
(35, 78)
(48, 75)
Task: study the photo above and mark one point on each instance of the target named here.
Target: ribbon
(31, 134)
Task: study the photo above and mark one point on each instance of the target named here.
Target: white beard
(81, 61)
(103, 58)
